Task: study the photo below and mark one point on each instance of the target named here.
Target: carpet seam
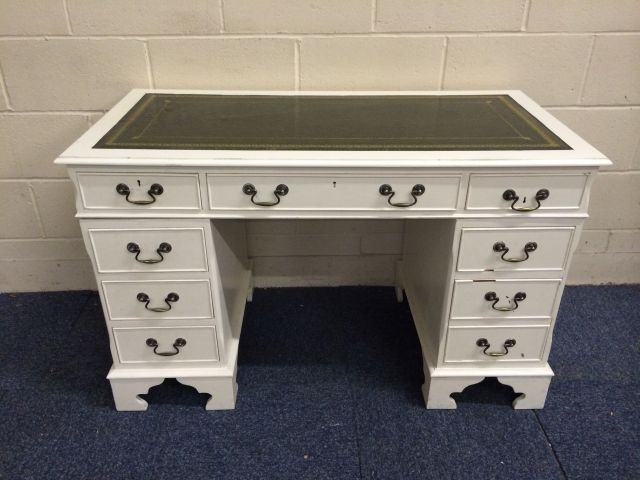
(355, 420)
(553, 450)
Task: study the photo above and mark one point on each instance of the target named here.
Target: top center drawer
(340, 193)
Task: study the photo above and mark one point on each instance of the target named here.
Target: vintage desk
(492, 188)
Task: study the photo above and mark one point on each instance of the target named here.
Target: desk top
(383, 122)
(450, 129)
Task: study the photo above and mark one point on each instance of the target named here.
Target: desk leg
(533, 391)
(437, 391)
(223, 390)
(398, 282)
(126, 392)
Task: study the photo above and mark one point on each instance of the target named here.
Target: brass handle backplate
(280, 191)
(169, 299)
(387, 191)
(164, 247)
(155, 190)
(493, 297)
(510, 195)
(501, 247)
(179, 343)
(483, 342)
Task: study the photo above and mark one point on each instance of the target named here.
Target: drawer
(158, 300)
(109, 191)
(463, 344)
(133, 344)
(525, 299)
(535, 248)
(115, 250)
(226, 192)
(487, 192)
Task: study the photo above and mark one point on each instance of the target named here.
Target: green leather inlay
(277, 122)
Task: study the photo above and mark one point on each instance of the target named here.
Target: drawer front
(462, 344)
(113, 251)
(334, 193)
(489, 249)
(511, 299)
(109, 191)
(158, 300)
(487, 192)
(132, 344)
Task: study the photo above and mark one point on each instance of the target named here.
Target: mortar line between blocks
(525, 16)
(374, 14)
(292, 36)
(296, 64)
(147, 57)
(583, 83)
(67, 15)
(443, 63)
(34, 202)
(221, 11)
(4, 90)
(15, 113)
(553, 450)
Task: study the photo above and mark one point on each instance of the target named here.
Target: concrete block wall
(64, 62)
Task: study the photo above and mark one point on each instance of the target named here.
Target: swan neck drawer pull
(483, 342)
(511, 196)
(387, 191)
(164, 247)
(493, 297)
(500, 247)
(169, 299)
(280, 191)
(154, 190)
(179, 343)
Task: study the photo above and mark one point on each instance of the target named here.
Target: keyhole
(524, 200)
(334, 184)
(139, 184)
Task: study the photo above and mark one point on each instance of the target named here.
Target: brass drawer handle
(511, 196)
(169, 299)
(493, 297)
(483, 342)
(180, 342)
(280, 191)
(154, 190)
(387, 191)
(164, 247)
(500, 247)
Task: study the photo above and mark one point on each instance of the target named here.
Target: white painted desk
(492, 217)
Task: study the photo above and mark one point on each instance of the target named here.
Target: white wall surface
(64, 62)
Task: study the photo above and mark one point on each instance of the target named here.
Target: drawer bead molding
(280, 191)
(483, 342)
(511, 196)
(493, 297)
(179, 343)
(500, 247)
(169, 299)
(164, 247)
(154, 190)
(387, 191)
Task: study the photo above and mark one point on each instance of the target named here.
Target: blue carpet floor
(329, 389)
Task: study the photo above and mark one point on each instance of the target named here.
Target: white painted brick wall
(64, 62)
